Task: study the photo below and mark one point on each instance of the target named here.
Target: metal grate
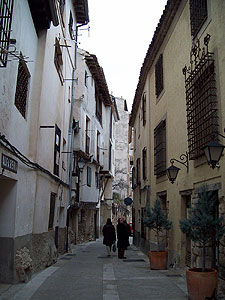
(22, 88)
(198, 15)
(6, 8)
(160, 149)
(201, 100)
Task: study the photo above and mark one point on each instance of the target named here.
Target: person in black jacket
(109, 235)
(121, 238)
(128, 232)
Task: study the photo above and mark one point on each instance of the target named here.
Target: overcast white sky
(119, 35)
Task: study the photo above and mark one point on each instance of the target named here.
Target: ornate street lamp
(81, 163)
(172, 171)
(213, 152)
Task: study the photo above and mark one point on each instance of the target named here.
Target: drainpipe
(71, 140)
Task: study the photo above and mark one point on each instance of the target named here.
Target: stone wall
(86, 226)
(44, 252)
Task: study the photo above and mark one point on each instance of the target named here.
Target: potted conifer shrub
(203, 227)
(158, 222)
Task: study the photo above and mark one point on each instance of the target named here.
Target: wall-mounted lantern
(213, 152)
(172, 171)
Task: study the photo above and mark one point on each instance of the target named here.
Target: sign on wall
(9, 163)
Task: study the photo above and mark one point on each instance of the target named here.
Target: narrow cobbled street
(88, 274)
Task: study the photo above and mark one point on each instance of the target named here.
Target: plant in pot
(157, 221)
(204, 228)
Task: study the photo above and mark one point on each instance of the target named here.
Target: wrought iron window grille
(160, 149)
(6, 10)
(201, 98)
(198, 15)
(23, 79)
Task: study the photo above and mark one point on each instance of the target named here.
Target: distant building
(121, 183)
(93, 144)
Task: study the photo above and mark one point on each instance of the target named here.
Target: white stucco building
(37, 60)
(94, 116)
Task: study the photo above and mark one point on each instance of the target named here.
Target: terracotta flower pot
(201, 284)
(158, 260)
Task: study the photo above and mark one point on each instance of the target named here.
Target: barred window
(198, 15)
(58, 60)
(160, 149)
(6, 9)
(22, 85)
(201, 102)
(159, 76)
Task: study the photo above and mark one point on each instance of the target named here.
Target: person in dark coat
(121, 238)
(109, 236)
(128, 232)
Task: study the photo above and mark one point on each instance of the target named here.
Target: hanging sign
(128, 201)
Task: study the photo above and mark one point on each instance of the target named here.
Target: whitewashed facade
(35, 105)
(93, 143)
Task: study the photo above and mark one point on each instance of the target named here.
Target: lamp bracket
(184, 160)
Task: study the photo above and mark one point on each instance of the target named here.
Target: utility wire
(5, 143)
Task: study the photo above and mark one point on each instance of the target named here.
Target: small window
(51, 211)
(96, 180)
(98, 146)
(57, 150)
(87, 138)
(86, 78)
(98, 107)
(144, 109)
(144, 163)
(138, 166)
(159, 76)
(58, 60)
(88, 176)
(160, 149)
(23, 79)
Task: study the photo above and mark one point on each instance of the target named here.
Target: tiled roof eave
(99, 78)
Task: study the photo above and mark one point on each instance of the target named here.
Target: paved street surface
(88, 274)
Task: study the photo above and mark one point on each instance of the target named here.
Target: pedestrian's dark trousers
(121, 252)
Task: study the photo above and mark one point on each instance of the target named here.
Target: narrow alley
(88, 274)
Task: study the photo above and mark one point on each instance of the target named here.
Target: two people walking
(123, 233)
